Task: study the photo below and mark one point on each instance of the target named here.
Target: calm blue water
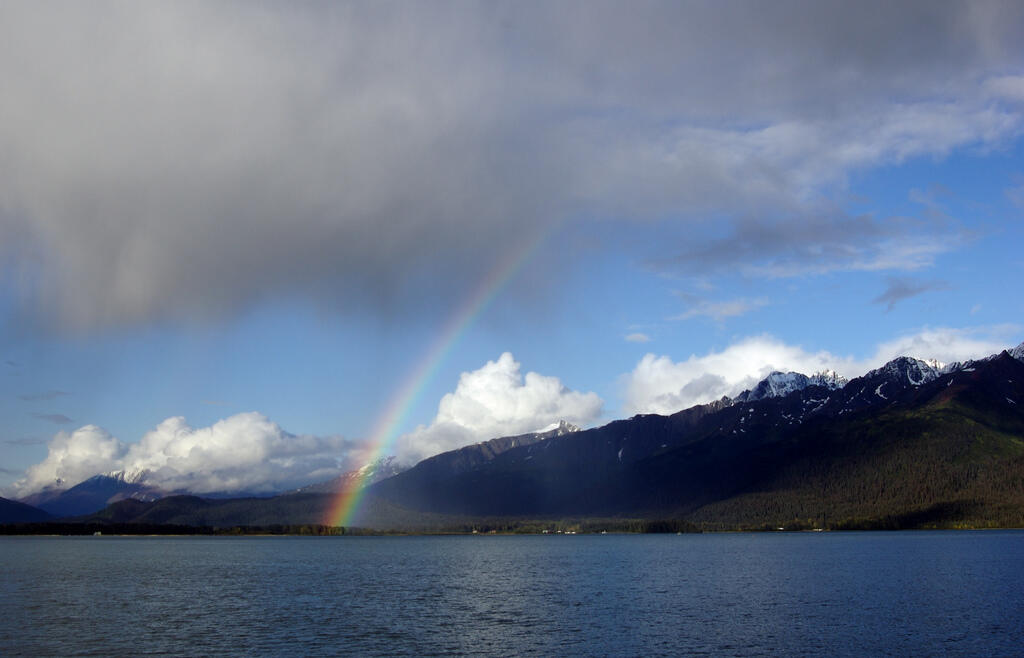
(743, 594)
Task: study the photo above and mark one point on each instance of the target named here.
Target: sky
(247, 246)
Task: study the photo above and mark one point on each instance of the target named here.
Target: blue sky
(261, 217)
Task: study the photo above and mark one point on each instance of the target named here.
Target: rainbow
(385, 430)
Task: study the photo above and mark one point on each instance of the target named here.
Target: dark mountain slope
(474, 456)
(900, 440)
(12, 511)
(195, 511)
(292, 510)
(554, 476)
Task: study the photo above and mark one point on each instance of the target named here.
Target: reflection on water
(802, 594)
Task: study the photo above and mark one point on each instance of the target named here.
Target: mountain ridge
(704, 461)
(645, 465)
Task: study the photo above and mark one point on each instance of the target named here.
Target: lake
(957, 593)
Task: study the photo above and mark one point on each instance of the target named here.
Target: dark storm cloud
(901, 288)
(183, 161)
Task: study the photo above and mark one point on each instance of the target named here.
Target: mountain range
(903, 439)
(93, 494)
(375, 471)
(910, 444)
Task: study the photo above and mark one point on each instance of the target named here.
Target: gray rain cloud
(184, 161)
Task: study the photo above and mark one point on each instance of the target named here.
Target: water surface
(722, 594)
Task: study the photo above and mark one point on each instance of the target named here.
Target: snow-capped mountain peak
(909, 370)
(558, 429)
(905, 370)
(367, 474)
(776, 384)
(379, 468)
(779, 384)
(829, 379)
(128, 476)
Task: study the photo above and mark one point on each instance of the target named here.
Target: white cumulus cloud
(73, 457)
(497, 400)
(251, 453)
(245, 452)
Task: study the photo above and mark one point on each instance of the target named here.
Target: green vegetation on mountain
(942, 465)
